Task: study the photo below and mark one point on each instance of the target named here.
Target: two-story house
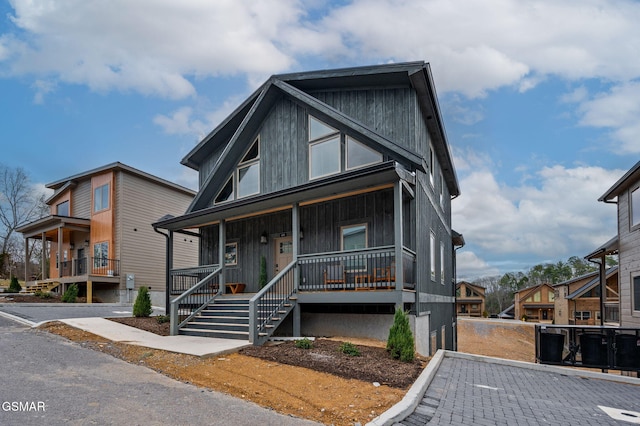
(470, 299)
(535, 303)
(99, 235)
(577, 301)
(625, 193)
(325, 199)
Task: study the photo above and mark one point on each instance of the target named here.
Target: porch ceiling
(54, 222)
(363, 179)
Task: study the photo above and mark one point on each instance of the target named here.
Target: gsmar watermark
(23, 406)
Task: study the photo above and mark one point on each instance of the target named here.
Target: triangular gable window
(359, 155)
(246, 177)
(317, 129)
(252, 154)
(226, 194)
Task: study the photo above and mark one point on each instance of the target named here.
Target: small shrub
(350, 349)
(14, 286)
(400, 343)
(44, 295)
(485, 314)
(163, 318)
(71, 294)
(304, 343)
(142, 305)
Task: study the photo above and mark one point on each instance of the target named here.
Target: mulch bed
(373, 364)
(150, 324)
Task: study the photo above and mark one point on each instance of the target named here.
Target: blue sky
(540, 99)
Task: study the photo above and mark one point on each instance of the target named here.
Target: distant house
(470, 299)
(625, 193)
(536, 303)
(324, 203)
(99, 235)
(577, 301)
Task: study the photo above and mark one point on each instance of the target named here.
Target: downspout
(603, 283)
(455, 299)
(167, 300)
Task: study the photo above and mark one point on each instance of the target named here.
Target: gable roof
(591, 284)
(244, 122)
(526, 292)
(61, 185)
(629, 178)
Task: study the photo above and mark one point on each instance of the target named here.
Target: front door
(284, 253)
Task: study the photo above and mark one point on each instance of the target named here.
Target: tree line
(20, 203)
(499, 293)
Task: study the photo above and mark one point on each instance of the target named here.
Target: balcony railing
(367, 269)
(91, 266)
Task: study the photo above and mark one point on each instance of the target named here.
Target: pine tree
(400, 342)
(142, 305)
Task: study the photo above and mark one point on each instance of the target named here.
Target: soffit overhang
(50, 223)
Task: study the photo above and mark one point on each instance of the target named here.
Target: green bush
(42, 294)
(400, 343)
(349, 349)
(71, 294)
(142, 305)
(163, 318)
(14, 286)
(304, 343)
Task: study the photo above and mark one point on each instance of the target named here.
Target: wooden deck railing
(90, 265)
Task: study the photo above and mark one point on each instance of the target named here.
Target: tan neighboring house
(536, 303)
(99, 235)
(470, 299)
(625, 193)
(577, 301)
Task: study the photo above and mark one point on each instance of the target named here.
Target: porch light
(263, 238)
(71, 245)
(301, 233)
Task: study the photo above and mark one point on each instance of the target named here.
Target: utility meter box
(131, 281)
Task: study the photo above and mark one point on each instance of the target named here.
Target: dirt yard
(319, 384)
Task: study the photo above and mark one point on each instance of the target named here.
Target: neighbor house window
(433, 256)
(331, 152)
(62, 209)
(583, 315)
(101, 198)
(100, 254)
(552, 296)
(636, 293)
(536, 297)
(635, 207)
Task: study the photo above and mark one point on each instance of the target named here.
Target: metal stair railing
(200, 295)
(271, 304)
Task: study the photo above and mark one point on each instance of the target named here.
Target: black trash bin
(551, 345)
(594, 350)
(627, 351)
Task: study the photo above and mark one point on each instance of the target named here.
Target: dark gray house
(324, 204)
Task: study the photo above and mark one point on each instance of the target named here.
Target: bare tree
(19, 204)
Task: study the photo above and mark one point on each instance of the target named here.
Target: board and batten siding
(629, 260)
(141, 202)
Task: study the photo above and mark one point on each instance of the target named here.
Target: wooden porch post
(43, 257)
(26, 260)
(60, 236)
(89, 291)
(398, 231)
(221, 243)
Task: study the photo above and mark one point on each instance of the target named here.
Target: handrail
(346, 252)
(267, 303)
(175, 303)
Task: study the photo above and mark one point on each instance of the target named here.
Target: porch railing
(194, 300)
(271, 304)
(91, 265)
(186, 278)
(367, 269)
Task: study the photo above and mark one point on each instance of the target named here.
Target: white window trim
(635, 310)
(233, 192)
(237, 178)
(431, 164)
(633, 226)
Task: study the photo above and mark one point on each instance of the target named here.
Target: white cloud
(558, 218)
(469, 267)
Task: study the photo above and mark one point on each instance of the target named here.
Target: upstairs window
(62, 209)
(101, 198)
(433, 256)
(432, 162)
(635, 207)
(246, 178)
(331, 152)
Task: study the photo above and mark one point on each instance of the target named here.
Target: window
(62, 209)
(636, 293)
(359, 155)
(331, 152)
(245, 179)
(231, 254)
(100, 254)
(552, 296)
(583, 315)
(536, 296)
(431, 164)
(442, 263)
(441, 191)
(101, 198)
(433, 256)
(354, 237)
(635, 207)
